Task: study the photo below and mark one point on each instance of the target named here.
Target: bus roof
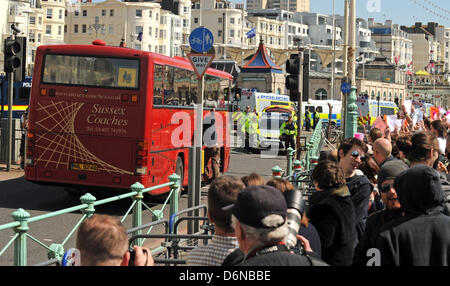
(126, 52)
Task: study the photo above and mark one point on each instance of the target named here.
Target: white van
(260, 100)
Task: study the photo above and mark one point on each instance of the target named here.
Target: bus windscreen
(91, 71)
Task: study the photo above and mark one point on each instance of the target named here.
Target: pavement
(14, 173)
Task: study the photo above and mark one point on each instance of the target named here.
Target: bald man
(382, 149)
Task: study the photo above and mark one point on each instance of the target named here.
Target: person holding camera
(260, 219)
(102, 241)
(333, 214)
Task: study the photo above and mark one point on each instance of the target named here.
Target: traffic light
(305, 93)
(15, 56)
(293, 66)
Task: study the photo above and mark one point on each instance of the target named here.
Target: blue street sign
(201, 40)
(346, 88)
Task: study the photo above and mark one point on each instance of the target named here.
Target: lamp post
(350, 121)
(96, 26)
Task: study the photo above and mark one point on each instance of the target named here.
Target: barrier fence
(22, 220)
(298, 172)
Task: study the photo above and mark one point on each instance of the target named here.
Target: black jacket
(274, 255)
(421, 237)
(333, 214)
(360, 189)
(374, 224)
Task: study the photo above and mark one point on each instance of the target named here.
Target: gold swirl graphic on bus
(59, 146)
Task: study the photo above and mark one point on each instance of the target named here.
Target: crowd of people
(381, 203)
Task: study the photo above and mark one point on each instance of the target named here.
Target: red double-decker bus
(106, 116)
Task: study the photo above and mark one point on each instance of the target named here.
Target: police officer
(288, 132)
(307, 120)
(316, 117)
(245, 128)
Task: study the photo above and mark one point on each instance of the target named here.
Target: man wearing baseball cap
(386, 176)
(259, 218)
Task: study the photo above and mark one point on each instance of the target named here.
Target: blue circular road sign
(201, 40)
(346, 87)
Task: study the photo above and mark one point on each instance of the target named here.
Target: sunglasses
(355, 154)
(385, 188)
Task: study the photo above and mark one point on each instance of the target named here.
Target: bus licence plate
(83, 167)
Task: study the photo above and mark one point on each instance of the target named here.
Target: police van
(369, 109)
(323, 108)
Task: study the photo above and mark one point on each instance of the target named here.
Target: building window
(103, 12)
(196, 20)
(219, 33)
(321, 94)
(231, 33)
(83, 29)
(138, 12)
(32, 20)
(75, 28)
(111, 29)
(150, 32)
(156, 33)
(111, 12)
(49, 13)
(59, 30)
(76, 13)
(84, 13)
(150, 13)
(48, 29)
(219, 20)
(60, 16)
(40, 20)
(139, 29)
(39, 38)
(231, 20)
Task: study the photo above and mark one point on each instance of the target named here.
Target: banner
(393, 122)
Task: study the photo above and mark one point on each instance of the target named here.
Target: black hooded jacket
(422, 236)
(333, 215)
(360, 189)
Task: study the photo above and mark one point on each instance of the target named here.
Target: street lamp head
(15, 29)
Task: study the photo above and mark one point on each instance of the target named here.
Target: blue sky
(403, 12)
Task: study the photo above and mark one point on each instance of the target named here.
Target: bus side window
(158, 85)
(170, 97)
(319, 109)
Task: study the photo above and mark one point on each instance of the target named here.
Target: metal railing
(22, 220)
(297, 171)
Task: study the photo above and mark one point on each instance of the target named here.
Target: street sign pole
(200, 40)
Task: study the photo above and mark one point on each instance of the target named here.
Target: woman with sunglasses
(350, 155)
(386, 176)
